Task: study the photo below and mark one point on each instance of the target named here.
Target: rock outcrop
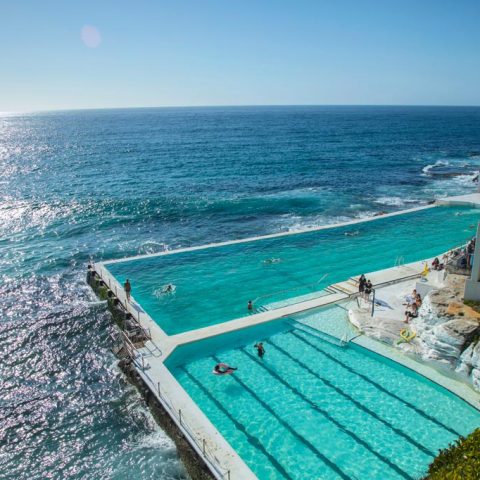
(448, 330)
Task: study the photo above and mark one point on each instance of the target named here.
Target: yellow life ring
(406, 335)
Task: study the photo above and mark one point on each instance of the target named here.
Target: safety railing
(120, 294)
(220, 472)
(202, 447)
(279, 292)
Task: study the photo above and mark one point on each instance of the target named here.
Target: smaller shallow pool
(314, 409)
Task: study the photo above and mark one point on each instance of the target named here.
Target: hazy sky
(113, 53)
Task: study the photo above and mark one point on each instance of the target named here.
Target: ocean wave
(391, 201)
(151, 246)
(299, 224)
(438, 163)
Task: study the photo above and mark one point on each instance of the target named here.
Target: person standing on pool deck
(260, 349)
(128, 289)
(368, 289)
(361, 284)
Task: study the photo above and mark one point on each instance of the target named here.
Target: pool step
(261, 308)
(346, 288)
(309, 330)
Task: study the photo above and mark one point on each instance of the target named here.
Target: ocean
(102, 184)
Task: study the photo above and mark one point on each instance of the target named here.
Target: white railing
(202, 448)
(201, 444)
(119, 292)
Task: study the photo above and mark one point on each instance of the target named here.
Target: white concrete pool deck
(224, 462)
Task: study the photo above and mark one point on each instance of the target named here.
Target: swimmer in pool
(270, 261)
(260, 349)
(222, 369)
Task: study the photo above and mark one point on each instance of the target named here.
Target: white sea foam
(438, 163)
(151, 246)
(296, 223)
(167, 289)
(393, 201)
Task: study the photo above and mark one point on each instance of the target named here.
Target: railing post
(158, 387)
(180, 415)
(143, 364)
(373, 302)
(203, 446)
(228, 475)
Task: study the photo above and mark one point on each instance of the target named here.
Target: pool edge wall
(194, 464)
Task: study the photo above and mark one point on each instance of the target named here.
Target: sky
(60, 54)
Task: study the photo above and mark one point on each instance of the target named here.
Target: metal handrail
(289, 289)
(200, 442)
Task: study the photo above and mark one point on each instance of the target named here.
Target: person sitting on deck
(436, 264)
(409, 299)
(411, 312)
(418, 300)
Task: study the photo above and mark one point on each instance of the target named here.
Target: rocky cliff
(448, 331)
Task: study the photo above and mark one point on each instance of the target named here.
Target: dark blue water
(106, 184)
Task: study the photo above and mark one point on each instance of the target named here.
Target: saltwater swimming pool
(311, 409)
(213, 285)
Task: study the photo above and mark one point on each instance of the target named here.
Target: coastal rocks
(449, 330)
(447, 341)
(469, 364)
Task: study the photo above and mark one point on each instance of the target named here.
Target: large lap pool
(311, 409)
(213, 285)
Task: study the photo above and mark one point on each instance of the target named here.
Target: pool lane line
(288, 427)
(254, 441)
(358, 404)
(341, 427)
(378, 386)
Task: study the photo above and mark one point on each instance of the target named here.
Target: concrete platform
(473, 200)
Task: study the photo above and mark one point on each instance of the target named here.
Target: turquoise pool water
(314, 410)
(213, 285)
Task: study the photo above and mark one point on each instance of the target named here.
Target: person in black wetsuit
(361, 284)
(260, 349)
